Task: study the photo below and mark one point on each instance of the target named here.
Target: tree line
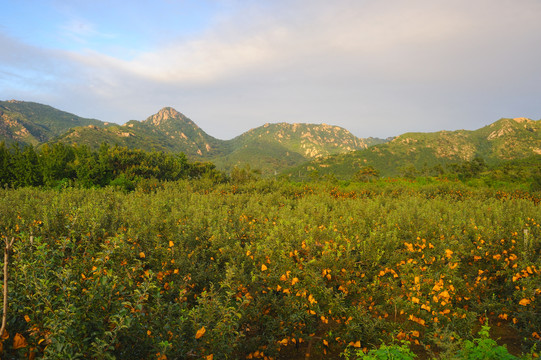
(57, 165)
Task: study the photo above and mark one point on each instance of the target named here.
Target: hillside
(32, 123)
(273, 147)
(505, 139)
(168, 130)
(270, 148)
(299, 150)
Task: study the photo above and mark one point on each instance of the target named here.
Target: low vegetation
(250, 268)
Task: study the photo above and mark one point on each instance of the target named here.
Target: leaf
(19, 342)
(200, 332)
(142, 255)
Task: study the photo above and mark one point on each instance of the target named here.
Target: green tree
(25, 166)
(56, 162)
(5, 171)
(86, 167)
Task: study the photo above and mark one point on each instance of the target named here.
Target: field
(268, 269)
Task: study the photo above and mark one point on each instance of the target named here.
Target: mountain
(304, 149)
(32, 123)
(168, 130)
(269, 148)
(505, 139)
(273, 147)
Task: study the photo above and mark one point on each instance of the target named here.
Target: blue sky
(377, 68)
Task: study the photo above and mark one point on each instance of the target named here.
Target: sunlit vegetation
(265, 269)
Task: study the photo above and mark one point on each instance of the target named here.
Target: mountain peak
(164, 114)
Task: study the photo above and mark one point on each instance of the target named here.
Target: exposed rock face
(310, 140)
(164, 114)
(522, 119)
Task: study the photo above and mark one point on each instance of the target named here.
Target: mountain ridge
(274, 147)
(33, 123)
(171, 131)
(504, 139)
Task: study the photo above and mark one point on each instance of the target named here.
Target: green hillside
(274, 147)
(32, 123)
(505, 139)
(168, 130)
(270, 148)
(302, 151)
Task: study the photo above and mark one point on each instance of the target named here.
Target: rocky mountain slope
(168, 130)
(32, 123)
(273, 148)
(270, 148)
(505, 139)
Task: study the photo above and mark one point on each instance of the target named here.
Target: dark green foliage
(468, 169)
(55, 163)
(480, 348)
(484, 348)
(24, 166)
(5, 159)
(61, 165)
(384, 352)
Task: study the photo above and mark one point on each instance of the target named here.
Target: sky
(375, 67)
